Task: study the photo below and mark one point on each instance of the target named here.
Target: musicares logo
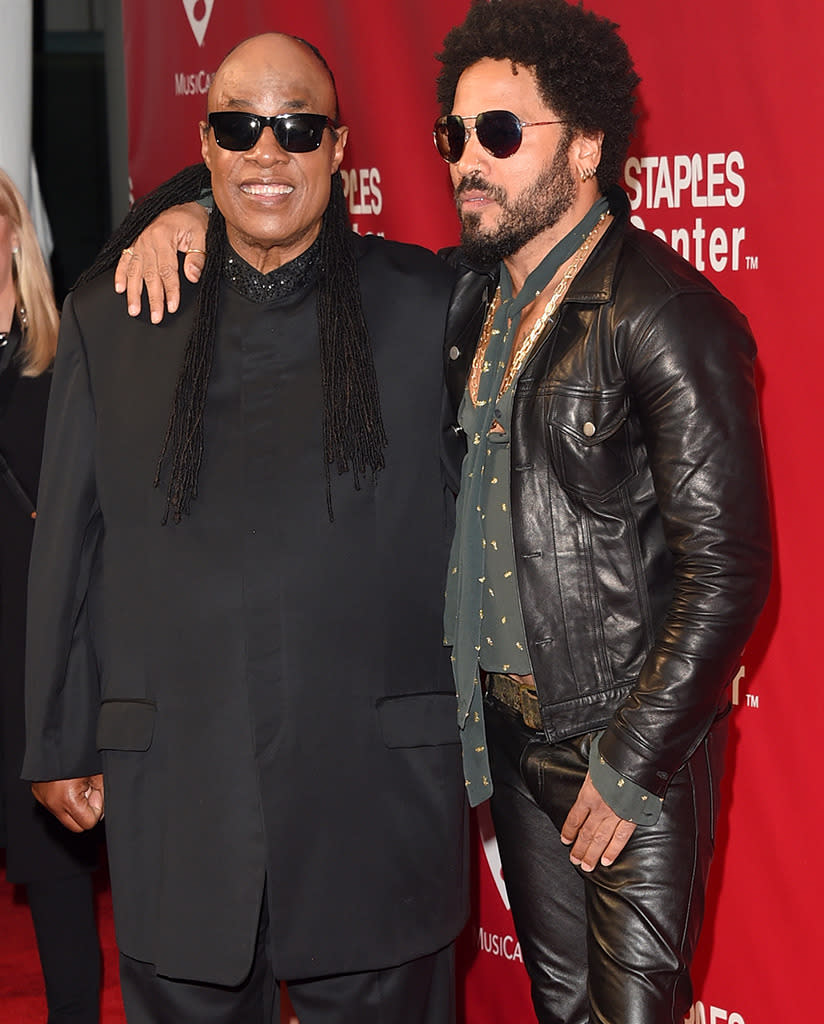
(199, 12)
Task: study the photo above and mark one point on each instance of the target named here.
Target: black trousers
(612, 946)
(62, 910)
(419, 992)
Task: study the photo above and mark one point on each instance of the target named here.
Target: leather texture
(613, 945)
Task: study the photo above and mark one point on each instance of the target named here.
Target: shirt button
(454, 352)
(589, 429)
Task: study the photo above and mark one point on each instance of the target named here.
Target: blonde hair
(36, 307)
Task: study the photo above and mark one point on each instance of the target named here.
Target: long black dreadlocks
(353, 432)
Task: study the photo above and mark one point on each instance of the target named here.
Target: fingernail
(134, 310)
(156, 318)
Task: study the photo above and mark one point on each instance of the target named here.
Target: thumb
(95, 795)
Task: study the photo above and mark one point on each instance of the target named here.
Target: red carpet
(22, 999)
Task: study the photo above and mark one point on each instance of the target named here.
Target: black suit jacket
(353, 810)
(37, 845)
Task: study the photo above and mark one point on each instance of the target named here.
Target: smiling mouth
(258, 189)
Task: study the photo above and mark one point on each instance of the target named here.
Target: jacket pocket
(419, 719)
(589, 441)
(126, 724)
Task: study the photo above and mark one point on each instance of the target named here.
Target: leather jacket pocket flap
(589, 442)
(589, 419)
(125, 725)
(418, 719)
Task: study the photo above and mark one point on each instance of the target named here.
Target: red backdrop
(723, 167)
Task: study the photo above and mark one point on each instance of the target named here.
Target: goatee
(540, 206)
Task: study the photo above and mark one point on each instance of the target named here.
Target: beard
(538, 207)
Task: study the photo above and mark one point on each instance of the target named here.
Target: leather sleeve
(62, 691)
(691, 379)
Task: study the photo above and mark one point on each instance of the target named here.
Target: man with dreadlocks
(242, 524)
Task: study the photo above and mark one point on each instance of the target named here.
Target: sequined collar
(279, 283)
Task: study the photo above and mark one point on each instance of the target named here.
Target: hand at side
(594, 831)
(76, 803)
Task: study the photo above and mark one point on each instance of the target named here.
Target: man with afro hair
(602, 580)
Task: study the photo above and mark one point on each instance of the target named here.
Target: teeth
(266, 190)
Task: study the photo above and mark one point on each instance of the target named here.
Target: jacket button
(454, 352)
(589, 429)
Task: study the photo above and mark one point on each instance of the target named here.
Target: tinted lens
(499, 132)
(234, 130)
(296, 133)
(299, 133)
(450, 137)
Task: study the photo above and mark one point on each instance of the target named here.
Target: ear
(204, 142)
(340, 146)
(585, 155)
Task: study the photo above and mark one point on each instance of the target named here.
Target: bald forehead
(271, 71)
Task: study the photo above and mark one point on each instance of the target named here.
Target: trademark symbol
(751, 262)
(752, 700)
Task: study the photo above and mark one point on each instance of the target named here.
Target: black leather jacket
(639, 500)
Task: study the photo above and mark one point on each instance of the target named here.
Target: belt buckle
(519, 699)
(529, 708)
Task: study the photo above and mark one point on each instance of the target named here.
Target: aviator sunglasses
(499, 132)
(296, 133)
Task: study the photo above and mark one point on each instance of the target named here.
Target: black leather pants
(612, 946)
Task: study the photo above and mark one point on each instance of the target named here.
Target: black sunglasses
(296, 133)
(499, 132)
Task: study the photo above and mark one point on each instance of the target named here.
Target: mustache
(475, 182)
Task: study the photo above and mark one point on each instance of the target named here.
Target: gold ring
(201, 251)
(129, 252)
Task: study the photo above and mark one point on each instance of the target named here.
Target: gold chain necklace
(524, 349)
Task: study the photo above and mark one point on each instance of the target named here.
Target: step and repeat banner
(725, 169)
